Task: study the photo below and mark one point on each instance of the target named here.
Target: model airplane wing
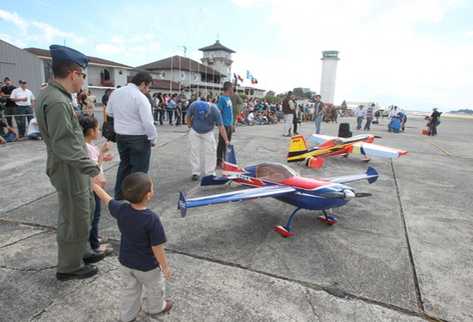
(371, 175)
(233, 196)
(374, 150)
(318, 139)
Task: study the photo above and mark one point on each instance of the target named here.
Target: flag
(240, 78)
(248, 75)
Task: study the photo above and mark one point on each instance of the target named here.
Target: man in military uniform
(68, 166)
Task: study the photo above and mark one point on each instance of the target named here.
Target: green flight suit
(237, 102)
(69, 170)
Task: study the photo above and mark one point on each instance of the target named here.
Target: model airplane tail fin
(213, 180)
(297, 146)
(230, 155)
(181, 204)
(372, 175)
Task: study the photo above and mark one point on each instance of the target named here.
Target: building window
(105, 75)
(48, 70)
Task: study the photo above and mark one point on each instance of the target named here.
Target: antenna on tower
(218, 36)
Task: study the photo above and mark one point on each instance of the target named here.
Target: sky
(417, 54)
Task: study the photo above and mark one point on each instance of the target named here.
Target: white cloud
(13, 17)
(51, 34)
(108, 48)
(12, 40)
(136, 49)
(38, 31)
(382, 52)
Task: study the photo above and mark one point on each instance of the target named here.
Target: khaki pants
(203, 153)
(288, 120)
(136, 283)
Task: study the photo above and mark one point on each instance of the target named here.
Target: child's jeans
(94, 229)
(134, 282)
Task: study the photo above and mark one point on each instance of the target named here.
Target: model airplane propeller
(327, 146)
(268, 179)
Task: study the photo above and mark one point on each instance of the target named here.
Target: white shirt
(22, 93)
(360, 112)
(131, 112)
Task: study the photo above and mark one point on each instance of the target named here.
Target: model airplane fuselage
(328, 146)
(282, 183)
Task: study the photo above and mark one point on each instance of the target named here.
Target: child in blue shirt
(142, 257)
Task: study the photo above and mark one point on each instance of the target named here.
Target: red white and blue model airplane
(276, 180)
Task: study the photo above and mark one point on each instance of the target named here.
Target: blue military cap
(63, 53)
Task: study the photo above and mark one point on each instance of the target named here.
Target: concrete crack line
(420, 303)
(54, 192)
(22, 239)
(33, 270)
(336, 292)
(24, 223)
(307, 295)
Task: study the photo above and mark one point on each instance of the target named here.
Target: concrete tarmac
(404, 254)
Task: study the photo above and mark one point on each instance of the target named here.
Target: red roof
(93, 60)
(179, 63)
(162, 84)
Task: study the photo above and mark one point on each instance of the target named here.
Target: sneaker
(195, 177)
(85, 272)
(167, 308)
(93, 257)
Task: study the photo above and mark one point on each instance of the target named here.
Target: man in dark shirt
(10, 105)
(434, 121)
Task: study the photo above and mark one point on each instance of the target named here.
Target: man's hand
(166, 271)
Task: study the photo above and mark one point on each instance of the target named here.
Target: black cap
(63, 53)
(6, 79)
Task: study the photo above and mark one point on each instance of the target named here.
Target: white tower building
(219, 57)
(329, 74)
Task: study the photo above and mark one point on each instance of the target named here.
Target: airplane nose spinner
(349, 194)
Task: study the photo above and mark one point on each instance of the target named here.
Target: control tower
(329, 74)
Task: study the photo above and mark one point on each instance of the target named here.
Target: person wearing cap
(10, 105)
(24, 100)
(68, 165)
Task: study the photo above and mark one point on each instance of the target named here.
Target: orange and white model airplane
(328, 146)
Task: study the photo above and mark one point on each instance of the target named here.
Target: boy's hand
(105, 147)
(167, 272)
(108, 157)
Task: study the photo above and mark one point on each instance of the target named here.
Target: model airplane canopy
(326, 146)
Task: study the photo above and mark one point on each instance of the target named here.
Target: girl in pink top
(91, 130)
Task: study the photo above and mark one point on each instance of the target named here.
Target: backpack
(201, 110)
(344, 130)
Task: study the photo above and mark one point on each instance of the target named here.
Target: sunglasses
(81, 73)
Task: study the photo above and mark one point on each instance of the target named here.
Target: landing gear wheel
(283, 231)
(329, 220)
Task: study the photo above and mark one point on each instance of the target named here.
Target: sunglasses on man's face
(81, 73)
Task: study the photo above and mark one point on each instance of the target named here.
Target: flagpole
(172, 76)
